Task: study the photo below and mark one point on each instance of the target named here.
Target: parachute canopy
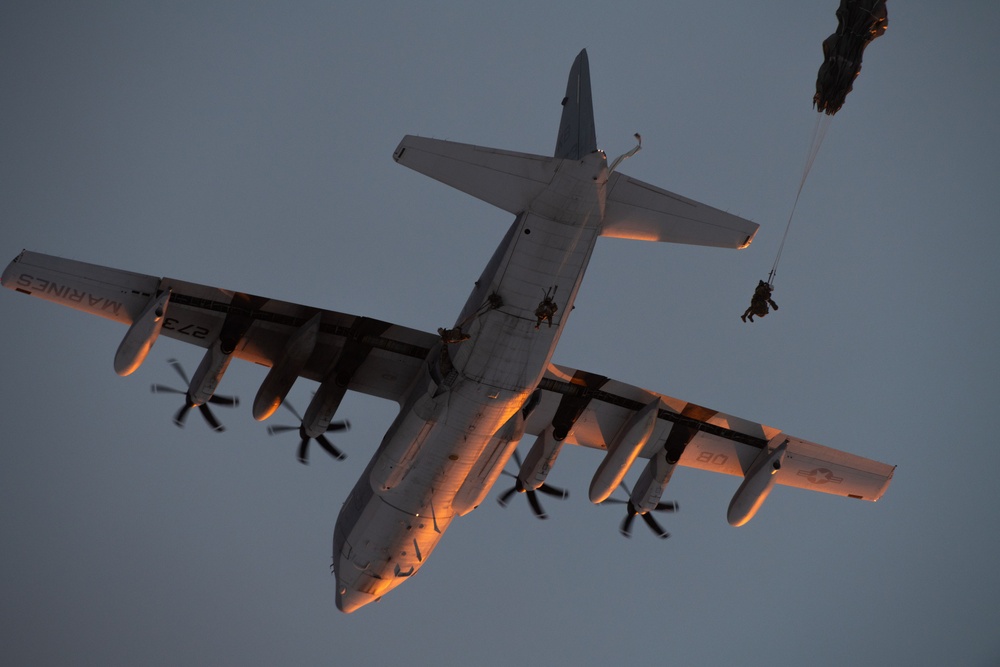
(858, 23)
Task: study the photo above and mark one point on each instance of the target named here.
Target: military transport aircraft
(468, 394)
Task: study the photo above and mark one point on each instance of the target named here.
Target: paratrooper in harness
(759, 302)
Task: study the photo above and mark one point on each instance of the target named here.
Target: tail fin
(577, 135)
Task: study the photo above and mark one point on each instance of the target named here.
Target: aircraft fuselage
(461, 419)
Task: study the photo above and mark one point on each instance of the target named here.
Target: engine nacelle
(324, 405)
(541, 457)
(622, 451)
(405, 438)
(489, 465)
(210, 371)
(286, 370)
(654, 479)
(756, 486)
(139, 338)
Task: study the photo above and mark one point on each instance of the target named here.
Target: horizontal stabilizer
(637, 210)
(506, 179)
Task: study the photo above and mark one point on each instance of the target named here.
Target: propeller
(321, 440)
(518, 487)
(181, 416)
(632, 512)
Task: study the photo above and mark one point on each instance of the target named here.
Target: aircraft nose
(348, 600)
(349, 597)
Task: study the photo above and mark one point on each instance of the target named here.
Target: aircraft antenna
(621, 158)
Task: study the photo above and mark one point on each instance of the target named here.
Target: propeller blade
(517, 460)
(625, 528)
(655, 527)
(275, 430)
(626, 525)
(294, 412)
(536, 507)
(162, 389)
(323, 441)
(553, 491)
(181, 415)
(206, 412)
(505, 496)
(338, 426)
(227, 401)
(180, 370)
(330, 449)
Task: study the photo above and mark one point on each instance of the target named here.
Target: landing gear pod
(489, 465)
(622, 452)
(139, 338)
(759, 481)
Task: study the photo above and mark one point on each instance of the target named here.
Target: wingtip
(748, 240)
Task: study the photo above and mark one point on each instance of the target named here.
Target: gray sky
(248, 146)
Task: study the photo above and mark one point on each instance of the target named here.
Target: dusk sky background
(249, 146)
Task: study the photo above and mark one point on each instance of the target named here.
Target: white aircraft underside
(470, 393)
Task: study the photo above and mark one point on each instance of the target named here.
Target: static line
(819, 133)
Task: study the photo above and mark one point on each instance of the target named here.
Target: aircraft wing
(385, 357)
(594, 409)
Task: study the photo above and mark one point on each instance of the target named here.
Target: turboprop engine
(539, 461)
(657, 473)
(202, 386)
(197, 388)
(209, 373)
(653, 480)
(757, 484)
(534, 470)
(324, 406)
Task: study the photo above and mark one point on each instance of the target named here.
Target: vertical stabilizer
(577, 136)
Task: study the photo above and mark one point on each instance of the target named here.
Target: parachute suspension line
(819, 133)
